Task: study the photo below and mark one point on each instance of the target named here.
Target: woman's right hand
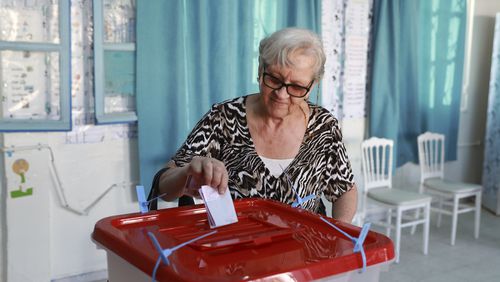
(206, 171)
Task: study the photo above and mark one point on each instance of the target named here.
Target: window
(114, 61)
(35, 66)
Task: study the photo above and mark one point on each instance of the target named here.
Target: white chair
(446, 194)
(377, 171)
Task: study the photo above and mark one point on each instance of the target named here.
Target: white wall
(3, 228)
(486, 7)
(476, 84)
(46, 240)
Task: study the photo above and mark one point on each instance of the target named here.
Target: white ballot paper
(220, 208)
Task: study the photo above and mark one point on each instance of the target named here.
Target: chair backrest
(376, 161)
(431, 155)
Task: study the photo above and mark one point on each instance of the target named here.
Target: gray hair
(276, 49)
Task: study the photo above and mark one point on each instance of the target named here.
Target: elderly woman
(273, 144)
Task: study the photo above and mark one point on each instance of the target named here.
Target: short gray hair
(276, 49)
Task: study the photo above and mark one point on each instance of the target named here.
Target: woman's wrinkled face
(279, 103)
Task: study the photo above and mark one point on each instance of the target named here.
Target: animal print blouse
(321, 165)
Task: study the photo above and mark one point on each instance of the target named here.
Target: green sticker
(20, 167)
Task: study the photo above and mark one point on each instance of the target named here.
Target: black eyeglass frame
(286, 85)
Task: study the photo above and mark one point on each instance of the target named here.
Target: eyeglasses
(293, 90)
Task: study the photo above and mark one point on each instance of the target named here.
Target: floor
(469, 260)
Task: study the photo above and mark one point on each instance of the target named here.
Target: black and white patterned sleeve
(341, 177)
(204, 140)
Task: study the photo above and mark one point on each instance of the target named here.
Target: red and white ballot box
(270, 242)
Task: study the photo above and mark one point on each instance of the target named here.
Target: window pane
(30, 21)
(119, 21)
(30, 85)
(119, 85)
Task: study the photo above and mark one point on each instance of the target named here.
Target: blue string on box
(358, 242)
(165, 253)
(141, 198)
(299, 200)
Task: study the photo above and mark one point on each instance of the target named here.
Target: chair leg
(388, 221)
(427, 217)
(398, 233)
(361, 220)
(477, 215)
(414, 227)
(356, 220)
(454, 219)
(440, 207)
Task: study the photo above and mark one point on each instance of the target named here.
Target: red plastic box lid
(269, 239)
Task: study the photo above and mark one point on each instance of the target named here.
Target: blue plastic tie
(165, 253)
(141, 198)
(299, 200)
(358, 242)
(9, 153)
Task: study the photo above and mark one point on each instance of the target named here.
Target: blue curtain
(191, 54)
(418, 54)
